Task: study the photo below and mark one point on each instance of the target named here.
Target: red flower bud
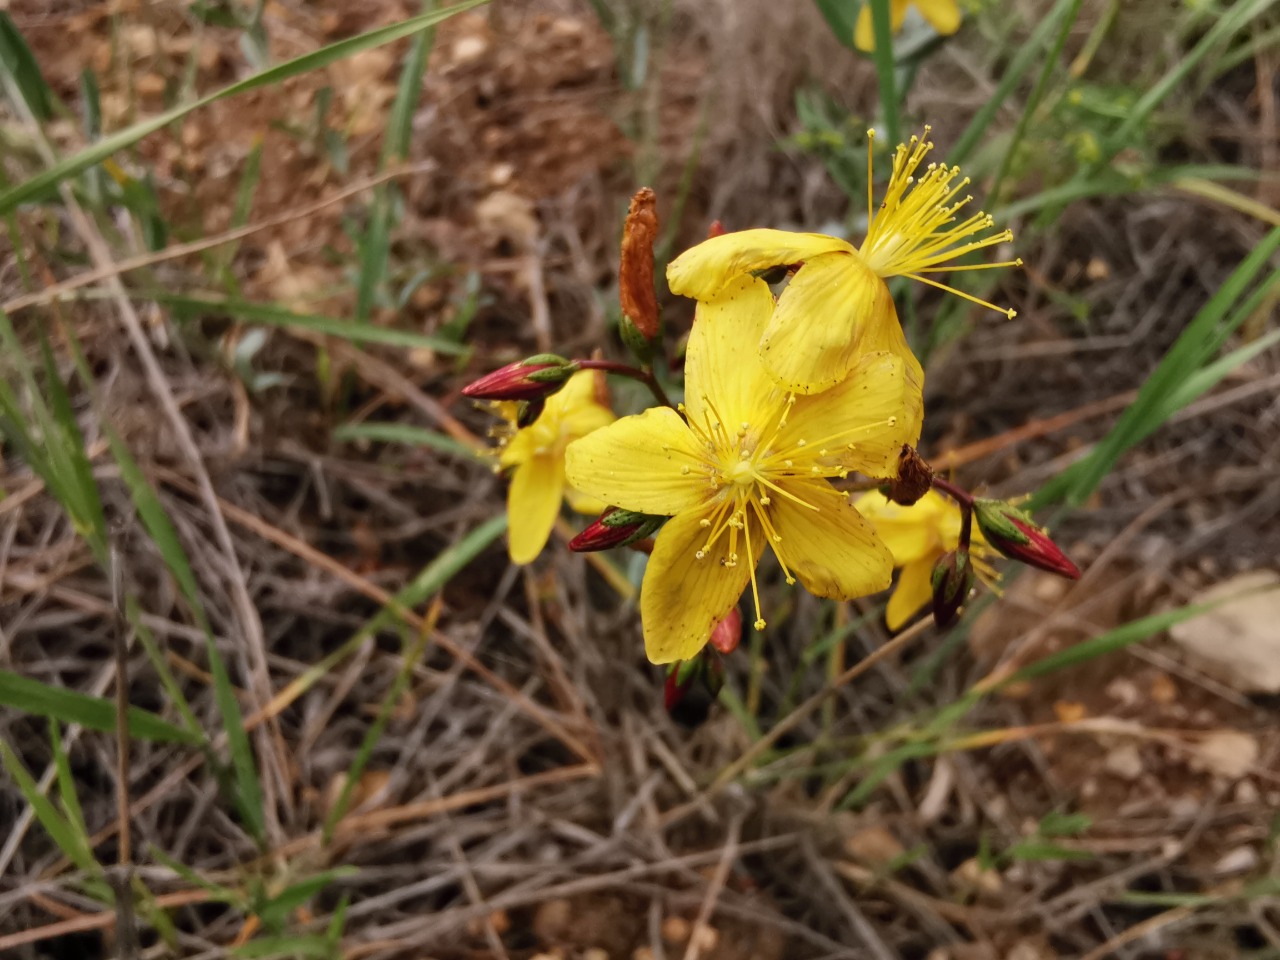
(615, 528)
(727, 634)
(716, 230)
(1018, 537)
(952, 579)
(535, 378)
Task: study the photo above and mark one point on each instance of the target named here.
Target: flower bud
(1017, 536)
(691, 688)
(952, 579)
(716, 230)
(635, 273)
(615, 528)
(727, 634)
(534, 378)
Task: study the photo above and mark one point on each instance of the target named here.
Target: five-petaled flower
(836, 307)
(744, 471)
(919, 535)
(536, 453)
(942, 15)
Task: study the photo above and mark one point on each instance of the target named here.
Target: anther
(704, 522)
(759, 624)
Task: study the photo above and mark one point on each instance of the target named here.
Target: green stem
(885, 66)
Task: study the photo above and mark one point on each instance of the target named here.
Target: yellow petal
(722, 361)
(943, 15)
(682, 598)
(533, 503)
(703, 271)
(581, 503)
(909, 532)
(832, 550)
(573, 410)
(864, 31)
(812, 341)
(884, 332)
(914, 591)
(636, 462)
(861, 420)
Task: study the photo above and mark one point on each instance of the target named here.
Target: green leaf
(21, 73)
(1056, 824)
(66, 782)
(1043, 850)
(93, 713)
(97, 152)
(841, 17)
(275, 912)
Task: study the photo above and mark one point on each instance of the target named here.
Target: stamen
(1008, 312)
(755, 587)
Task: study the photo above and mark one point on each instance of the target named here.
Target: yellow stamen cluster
(915, 230)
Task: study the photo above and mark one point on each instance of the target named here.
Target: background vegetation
(252, 250)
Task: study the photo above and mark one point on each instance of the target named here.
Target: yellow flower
(537, 454)
(836, 307)
(943, 16)
(746, 470)
(918, 535)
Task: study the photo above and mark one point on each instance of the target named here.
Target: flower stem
(965, 501)
(635, 373)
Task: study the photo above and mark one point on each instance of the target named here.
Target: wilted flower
(746, 471)
(1017, 536)
(536, 453)
(919, 535)
(942, 15)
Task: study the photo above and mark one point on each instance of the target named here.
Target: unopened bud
(952, 579)
(1018, 537)
(615, 528)
(691, 687)
(534, 378)
(716, 230)
(727, 634)
(635, 274)
(529, 411)
(914, 479)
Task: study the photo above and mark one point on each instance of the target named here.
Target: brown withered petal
(635, 276)
(914, 479)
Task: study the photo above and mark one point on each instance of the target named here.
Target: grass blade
(1211, 324)
(73, 844)
(268, 314)
(404, 433)
(97, 152)
(156, 521)
(92, 713)
(20, 72)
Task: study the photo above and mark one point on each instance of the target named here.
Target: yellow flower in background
(536, 453)
(918, 536)
(836, 306)
(746, 472)
(942, 15)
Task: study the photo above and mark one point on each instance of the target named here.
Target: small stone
(1228, 753)
(1123, 690)
(1124, 761)
(1239, 860)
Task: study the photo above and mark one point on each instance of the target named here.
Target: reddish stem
(635, 373)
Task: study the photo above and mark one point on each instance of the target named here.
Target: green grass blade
(275, 912)
(1234, 18)
(93, 713)
(269, 314)
(73, 844)
(1152, 407)
(1030, 53)
(376, 243)
(406, 434)
(841, 17)
(97, 152)
(158, 526)
(885, 67)
(66, 782)
(20, 73)
(156, 656)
